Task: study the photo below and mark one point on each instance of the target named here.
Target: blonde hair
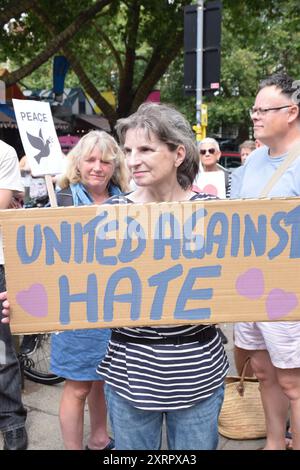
(247, 144)
(111, 152)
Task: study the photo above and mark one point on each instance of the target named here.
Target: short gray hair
(210, 140)
(171, 128)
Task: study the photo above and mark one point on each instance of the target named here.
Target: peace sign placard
(38, 137)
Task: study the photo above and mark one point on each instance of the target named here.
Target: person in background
(12, 412)
(176, 371)
(95, 171)
(245, 149)
(241, 355)
(210, 154)
(36, 194)
(273, 346)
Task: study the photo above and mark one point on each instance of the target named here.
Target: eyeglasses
(204, 151)
(263, 111)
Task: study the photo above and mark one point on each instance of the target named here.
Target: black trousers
(12, 412)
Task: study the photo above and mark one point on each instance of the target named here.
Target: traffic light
(211, 57)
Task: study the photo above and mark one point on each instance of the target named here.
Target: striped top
(164, 377)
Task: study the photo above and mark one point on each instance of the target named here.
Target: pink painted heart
(34, 300)
(280, 303)
(210, 189)
(251, 284)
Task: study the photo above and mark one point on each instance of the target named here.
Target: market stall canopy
(74, 100)
(8, 119)
(85, 122)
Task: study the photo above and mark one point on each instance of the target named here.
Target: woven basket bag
(242, 415)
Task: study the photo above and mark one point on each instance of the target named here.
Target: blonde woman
(95, 172)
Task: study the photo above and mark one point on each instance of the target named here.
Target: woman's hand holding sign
(5, 307)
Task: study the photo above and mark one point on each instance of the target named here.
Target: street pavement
(42, 403)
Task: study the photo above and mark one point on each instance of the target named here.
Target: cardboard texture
(152, 264)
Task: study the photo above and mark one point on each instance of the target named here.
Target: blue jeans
(12, 411)
(194, 428)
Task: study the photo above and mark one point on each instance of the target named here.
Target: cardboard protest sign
(152, 264)
(38, 135)
(212, 182)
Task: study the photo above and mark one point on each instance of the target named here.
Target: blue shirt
(250, 179)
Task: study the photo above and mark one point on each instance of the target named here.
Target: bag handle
(240, 386)
(290, 158)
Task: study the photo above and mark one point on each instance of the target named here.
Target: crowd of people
(145, 375)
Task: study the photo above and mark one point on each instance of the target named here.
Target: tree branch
(112, 48)
(157, 66)
(86, 83)
(56, 43)
(125, 88)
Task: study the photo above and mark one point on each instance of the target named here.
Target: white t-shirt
(10, 177)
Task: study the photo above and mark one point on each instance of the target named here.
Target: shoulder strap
(287, 162)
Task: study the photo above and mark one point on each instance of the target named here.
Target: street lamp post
(199, 64)
(201, 109)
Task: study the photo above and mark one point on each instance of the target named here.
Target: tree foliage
(133, 46)
(259, 37)
(128, 45)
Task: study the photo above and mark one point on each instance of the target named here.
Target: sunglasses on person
(210, 151)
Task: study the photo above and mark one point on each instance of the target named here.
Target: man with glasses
(274, 347)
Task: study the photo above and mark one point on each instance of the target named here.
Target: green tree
(133, 46)
(135, 39)
(258, 38)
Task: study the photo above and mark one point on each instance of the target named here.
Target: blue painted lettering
(90, 229)
(22, 246)
(134, 297)
(283, 236)
(62, 246)
(103, 243)
(78, 242)
(221, 238)
(127, 254)
(293, 219)
(191, 237)
(255, 236)
(188, 293)
(235, 234)
(90, 297)
(161, 280)
(161, 241)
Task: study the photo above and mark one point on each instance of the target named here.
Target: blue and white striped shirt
(162, 377)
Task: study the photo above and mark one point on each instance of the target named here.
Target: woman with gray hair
(95, 171)
(171, 371)
(176, 371)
